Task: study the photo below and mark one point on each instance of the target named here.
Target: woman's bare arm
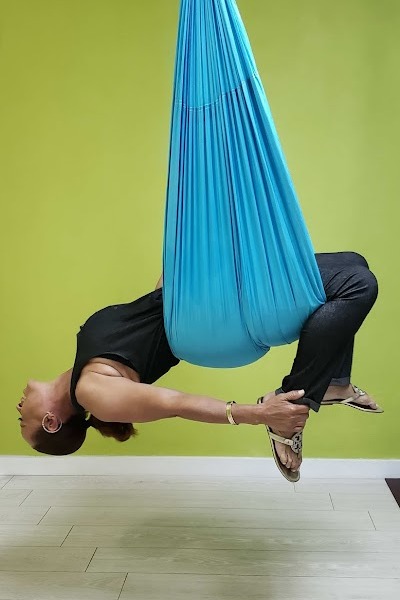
(121, 400)
(124, 401)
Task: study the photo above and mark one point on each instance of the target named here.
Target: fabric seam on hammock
(220, 97)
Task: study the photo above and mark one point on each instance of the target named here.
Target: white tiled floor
(121, 538)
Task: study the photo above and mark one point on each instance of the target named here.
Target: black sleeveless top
(132, 334)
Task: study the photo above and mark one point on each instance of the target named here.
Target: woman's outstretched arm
(119, 399)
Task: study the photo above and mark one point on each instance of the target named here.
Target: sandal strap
(353, 399)
(358, 391)
(296, 442)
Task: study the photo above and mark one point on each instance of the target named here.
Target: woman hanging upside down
(123, 349)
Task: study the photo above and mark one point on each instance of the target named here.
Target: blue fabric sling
(239, 268)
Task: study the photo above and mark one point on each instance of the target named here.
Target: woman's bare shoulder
(111, 368)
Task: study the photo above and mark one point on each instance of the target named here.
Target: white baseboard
(194, 466)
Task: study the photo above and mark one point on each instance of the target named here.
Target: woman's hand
(279, 412)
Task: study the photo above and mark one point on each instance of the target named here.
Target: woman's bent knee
(369, 283)
(358, 259)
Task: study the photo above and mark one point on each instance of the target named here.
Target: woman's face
(32, 409)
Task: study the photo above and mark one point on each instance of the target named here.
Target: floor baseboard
(194, 466)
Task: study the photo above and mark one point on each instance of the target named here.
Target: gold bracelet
(229, 413)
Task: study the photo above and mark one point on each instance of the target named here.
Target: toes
(289, 459)
(284, 459)
(291, 462)
(369, 403)
(296, 463)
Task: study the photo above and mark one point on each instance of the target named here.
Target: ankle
(338, 391)
(340, 385)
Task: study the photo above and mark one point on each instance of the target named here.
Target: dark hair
(73, 433)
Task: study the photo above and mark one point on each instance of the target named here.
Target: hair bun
(119, 431)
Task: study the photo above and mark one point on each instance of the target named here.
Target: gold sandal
(351, 402)
(296, 444)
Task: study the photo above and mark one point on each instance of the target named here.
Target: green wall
(85, 99)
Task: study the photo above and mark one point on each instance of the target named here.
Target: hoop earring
(47, 430)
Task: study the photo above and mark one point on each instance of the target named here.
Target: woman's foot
(286, 455)
(343, 392)
(290, 459)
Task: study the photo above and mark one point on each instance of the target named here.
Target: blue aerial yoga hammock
(239, 268)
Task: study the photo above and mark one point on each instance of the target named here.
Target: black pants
(325, 351)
